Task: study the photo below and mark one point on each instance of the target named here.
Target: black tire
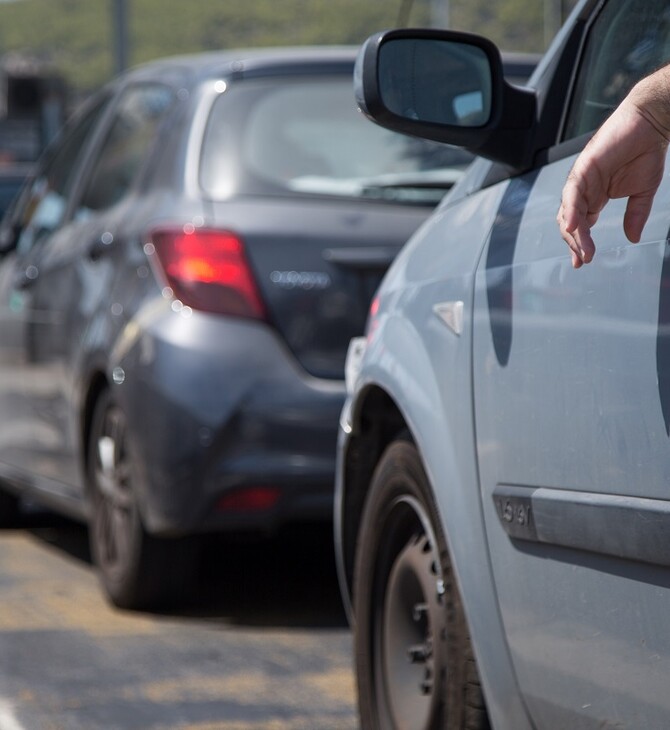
(10, 509)
(136, 569)
(414, 662)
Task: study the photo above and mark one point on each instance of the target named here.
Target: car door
(36, 216)
(76, 268)
(572, 408)
(14, 274)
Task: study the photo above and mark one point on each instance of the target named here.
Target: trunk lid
(317, 265)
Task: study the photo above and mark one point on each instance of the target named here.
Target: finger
(569, 238)
(576, 200)
(573, 206)
(575, 221)
(636, 216)
(585, 246)
(566, 235)
(592, 219)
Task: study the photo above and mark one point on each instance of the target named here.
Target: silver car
(503, 500)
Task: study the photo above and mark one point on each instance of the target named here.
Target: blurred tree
(515, 25)
(77, 36)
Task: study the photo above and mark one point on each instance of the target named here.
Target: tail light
(249, 499)
(208, 270)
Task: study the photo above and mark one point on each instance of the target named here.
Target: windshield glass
(306, 137)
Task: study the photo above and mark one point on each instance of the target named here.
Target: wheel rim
(113, 496)
(412, 627)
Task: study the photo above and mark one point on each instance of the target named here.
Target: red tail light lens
(249, 499)
(208, 270)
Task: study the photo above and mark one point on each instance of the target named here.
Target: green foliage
(515, 25)
(76, 36)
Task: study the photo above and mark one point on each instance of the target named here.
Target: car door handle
(101, 246)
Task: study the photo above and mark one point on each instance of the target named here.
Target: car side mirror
(448, 87)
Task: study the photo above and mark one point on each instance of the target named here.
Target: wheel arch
(379, 421)
(97, 383)
(376, 416)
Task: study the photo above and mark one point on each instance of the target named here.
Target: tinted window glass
(127, 145)
(43, 203)
(629, 39)
(9, 188)
(307, 137)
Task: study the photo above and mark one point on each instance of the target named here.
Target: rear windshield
(306, 137)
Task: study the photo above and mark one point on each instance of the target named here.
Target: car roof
(247, 62)
(270, 61)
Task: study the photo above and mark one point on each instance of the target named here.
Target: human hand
(624, 159)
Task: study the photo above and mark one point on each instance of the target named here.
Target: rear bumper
(217, 407)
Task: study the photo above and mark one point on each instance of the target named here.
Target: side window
(628, 40)
(126, 146)
(42, 205)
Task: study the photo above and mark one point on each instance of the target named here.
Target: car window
(628, 40)
(126, 147)
(44, 201)
(307, 137)
(9, 189)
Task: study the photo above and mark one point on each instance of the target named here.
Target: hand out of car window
(624, 159)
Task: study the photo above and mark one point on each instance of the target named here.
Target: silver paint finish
(414, 358)
(578, 405)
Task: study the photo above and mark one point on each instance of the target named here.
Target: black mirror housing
(449, 87)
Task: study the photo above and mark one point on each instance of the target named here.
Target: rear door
(70, 296)
(572, 404)
(37, 216)
(14, 434)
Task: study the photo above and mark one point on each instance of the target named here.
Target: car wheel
(414, 663)
(10, 509)
(137, 570)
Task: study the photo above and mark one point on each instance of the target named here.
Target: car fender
(423, 366)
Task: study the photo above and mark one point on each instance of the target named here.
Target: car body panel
(548, 406)
(13, 431)
(404, 344)
(12, 179)
(212, 408)
(537, 396)
(317, 264)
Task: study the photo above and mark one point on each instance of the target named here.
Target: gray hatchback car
(178, 286)
(503, 500)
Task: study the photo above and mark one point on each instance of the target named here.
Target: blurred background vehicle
(33, 105)
(12, 178)
(178, 286)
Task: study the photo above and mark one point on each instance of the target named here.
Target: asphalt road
(262, 646)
